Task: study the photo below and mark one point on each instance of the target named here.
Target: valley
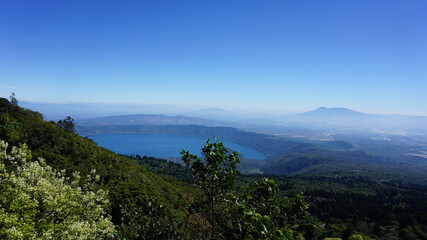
(355, 182)
(288, 150)
(213, 120)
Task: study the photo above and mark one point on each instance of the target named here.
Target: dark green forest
(209, 198)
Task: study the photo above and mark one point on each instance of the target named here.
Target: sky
(287, 56)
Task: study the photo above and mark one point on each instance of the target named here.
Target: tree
(13, 100)
(255, 214)
(67, 124)
(215, 174)
(262, 215)
(38, 202)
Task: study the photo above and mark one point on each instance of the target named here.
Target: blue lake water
(163, 146)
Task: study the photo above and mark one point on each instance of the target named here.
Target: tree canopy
(38, 202)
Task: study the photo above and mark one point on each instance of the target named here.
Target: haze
(275, 56)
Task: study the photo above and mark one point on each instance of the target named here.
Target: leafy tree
(67, 124)
(263, 215)
(9, 128)
(146, 218)
(215, 174)
(38, 202)
(13, 100)
(255, 214)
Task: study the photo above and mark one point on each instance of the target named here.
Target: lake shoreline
(165, 145)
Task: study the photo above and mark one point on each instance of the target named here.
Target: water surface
(162, 146)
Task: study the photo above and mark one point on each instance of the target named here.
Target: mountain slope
(339, 117)
(332, 112)
(126, 181)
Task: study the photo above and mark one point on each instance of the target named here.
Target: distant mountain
(212, 110)
(344, 117)
(148, 119)
(57, 111)
(333, 112)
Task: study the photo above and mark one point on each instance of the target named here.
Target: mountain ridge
(345, 117)
(149, 119)
(324, 111)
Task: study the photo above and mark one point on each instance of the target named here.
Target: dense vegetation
(142, 205)
(377, 204)
(39, 202)
(149, 198)
(130, 186)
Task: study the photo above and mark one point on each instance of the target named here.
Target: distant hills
(283, 155)
(149, 119)
(321, 117)
(337, 120)
(350, 118)
(332, 112)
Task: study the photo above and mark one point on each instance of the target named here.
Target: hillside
(143, 204)
(128, 182)
(349, 191)
(332, 112)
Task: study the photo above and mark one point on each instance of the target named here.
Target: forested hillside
(378, 204)
(129, 184)
(149, 198)
(139, 203)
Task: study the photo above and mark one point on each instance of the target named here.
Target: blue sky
(252, 55)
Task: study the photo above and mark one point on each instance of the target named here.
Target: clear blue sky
(262, 55)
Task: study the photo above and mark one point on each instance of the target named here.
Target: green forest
(56, 184)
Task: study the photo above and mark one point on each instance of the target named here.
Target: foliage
(67, 124)
(147, 219)
(165, 168)
(38, 202)
(125, 180)
(359, 237)
(374, 202)
(376, 206)
(215, 175)
(13, 100)
(255, 214)
(259, 214)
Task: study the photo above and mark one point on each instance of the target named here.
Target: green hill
(349, 191)
(129, 183)
(143, 204)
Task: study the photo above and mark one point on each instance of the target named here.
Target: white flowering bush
(38, 202)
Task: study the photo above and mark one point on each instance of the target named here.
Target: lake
(162, 146)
